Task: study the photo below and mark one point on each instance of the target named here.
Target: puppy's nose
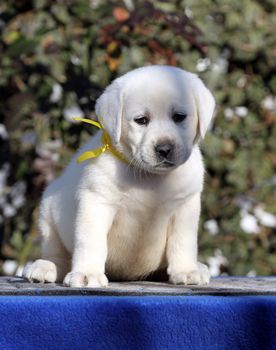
(164, 150)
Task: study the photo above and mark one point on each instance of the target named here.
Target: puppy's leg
(55, 260)
(183, 267)
(93, 222)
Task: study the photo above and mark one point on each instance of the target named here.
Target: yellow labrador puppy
(135, 208)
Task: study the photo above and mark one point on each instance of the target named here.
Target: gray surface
(218, 286)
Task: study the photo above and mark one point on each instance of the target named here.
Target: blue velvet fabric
(149, 322)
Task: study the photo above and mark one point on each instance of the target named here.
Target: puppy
(133, 209)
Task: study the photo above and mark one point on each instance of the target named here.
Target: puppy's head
(155, 114)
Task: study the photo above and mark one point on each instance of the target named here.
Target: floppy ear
(109, 111)
(205, 105)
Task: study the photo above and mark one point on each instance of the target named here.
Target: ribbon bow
(106, 144)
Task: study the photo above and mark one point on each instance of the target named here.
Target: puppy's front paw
(199, 275)
(40, 271)
(79, 280)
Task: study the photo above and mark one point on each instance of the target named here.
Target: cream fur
(104, 217)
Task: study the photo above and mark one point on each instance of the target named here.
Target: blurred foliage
(57, 56)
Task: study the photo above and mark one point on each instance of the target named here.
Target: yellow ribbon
(106, 144)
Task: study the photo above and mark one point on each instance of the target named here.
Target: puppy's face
(159, 126)
(155, 114)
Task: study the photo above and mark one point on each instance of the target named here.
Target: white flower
(249, 223)
(96, 3)
(73, 112)
(241, 111)
(75, 60)
(269, 103)
(3, 132)
(212, 227)
(216, 261)
(9, 211)
(265, 218)
(202, 64)
(18, 201)
(56, 93)
(188, 12)
(242, 82)
(228, 113)
(220, 66)
(9, 267)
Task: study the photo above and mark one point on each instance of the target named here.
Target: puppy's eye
(179, 117)
(142, 120)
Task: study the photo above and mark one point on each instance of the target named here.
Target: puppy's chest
(138, 235)
(143, 213)
(142, 202)
(153, 197)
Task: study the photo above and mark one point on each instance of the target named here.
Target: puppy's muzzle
(164, 151)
